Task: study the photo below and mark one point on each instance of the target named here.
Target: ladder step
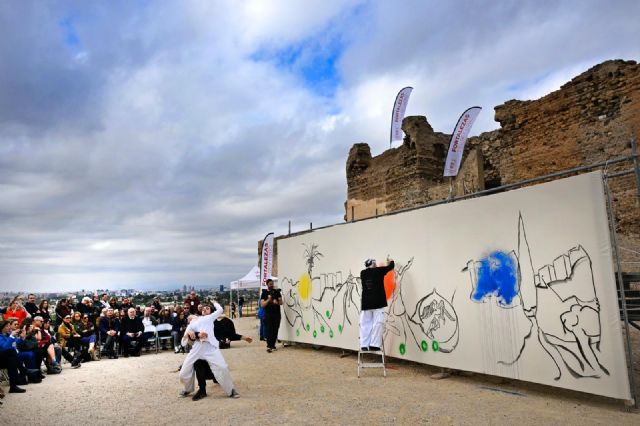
(371, 365)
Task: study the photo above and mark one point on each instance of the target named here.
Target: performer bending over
(205, 346)
(374, 300)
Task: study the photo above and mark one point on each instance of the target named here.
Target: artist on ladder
(374, 300)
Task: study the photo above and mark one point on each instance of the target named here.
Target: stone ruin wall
(590, 119)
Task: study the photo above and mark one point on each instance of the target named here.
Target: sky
(151, 144)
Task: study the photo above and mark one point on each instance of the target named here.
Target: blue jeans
(263, 330)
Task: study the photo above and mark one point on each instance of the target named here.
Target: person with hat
(374, 300)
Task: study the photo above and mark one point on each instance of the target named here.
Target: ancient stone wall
(590, 119)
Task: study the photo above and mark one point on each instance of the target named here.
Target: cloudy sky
(151, 144)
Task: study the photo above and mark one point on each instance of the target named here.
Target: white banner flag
(266, 260)
(458, 139)
(399, 107)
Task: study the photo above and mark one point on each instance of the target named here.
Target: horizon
(146, 144)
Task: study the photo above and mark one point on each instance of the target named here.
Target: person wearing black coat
(374, 300)
(131, 330)
(225, 331)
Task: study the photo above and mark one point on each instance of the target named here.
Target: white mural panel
(518, 284)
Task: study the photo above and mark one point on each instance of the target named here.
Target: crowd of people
(32, 341)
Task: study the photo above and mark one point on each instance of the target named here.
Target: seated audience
(87, 332)
(109, 331)
(16, 310)
(68, 337)
(113, 303)
(49, 354)
(43, 310)
(164, 317)
(62, 310)
(131, 330)
(31, 306)
(9, 359)
(179, 324)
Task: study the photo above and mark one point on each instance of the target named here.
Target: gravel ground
(300, 385)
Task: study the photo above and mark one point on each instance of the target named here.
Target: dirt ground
(300, 385)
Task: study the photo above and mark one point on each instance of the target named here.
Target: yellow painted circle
(305, 286)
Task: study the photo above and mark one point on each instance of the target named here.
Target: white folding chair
(151, 329)
(164, 333)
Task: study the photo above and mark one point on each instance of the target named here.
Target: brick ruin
(590, 119)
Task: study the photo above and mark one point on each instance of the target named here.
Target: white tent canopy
(251, 280)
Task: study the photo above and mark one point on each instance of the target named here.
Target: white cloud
(160, 153)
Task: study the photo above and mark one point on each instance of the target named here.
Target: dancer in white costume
(205, 346)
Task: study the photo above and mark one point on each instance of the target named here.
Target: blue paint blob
(497, 275)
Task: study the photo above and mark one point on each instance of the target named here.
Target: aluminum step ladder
(382, 364)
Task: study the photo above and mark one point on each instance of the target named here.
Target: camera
(275, 293)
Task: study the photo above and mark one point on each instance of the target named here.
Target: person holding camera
(270, 300)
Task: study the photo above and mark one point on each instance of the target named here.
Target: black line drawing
(326, 302)
(343, 297)
(559, 300)
(433, 318)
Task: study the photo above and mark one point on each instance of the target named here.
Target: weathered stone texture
(588, 120)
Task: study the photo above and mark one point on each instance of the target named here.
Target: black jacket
(129, 325)
(372, 279)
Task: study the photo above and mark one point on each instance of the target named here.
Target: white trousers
(371, 327)
(219, 368)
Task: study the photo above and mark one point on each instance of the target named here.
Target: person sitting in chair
(109, 330)
(131, 330)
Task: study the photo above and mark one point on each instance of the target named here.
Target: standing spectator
(62, 310)
(240, 305)
(263, 329)
(193, 301)
(233, 310)
(271, 300)
(109, 329)
(16, 310)
(31, 306)
(43, 310)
